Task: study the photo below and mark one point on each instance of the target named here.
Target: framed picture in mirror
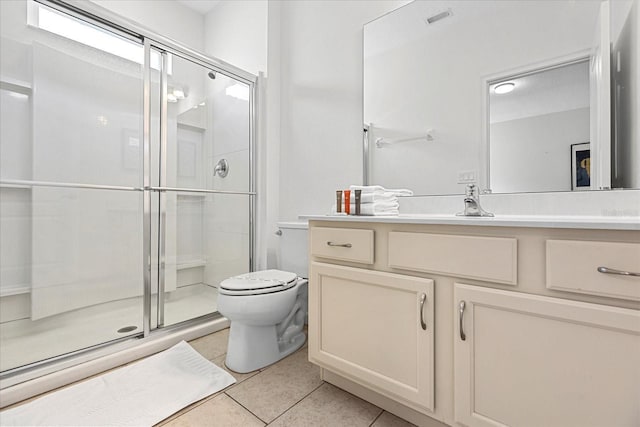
(580, 166)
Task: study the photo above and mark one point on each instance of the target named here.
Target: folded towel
(372, 198)
(378, 189)
(400, 192)
(372, 209)
(379, 205)
(367, 188)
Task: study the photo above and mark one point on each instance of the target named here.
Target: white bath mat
(141, 394)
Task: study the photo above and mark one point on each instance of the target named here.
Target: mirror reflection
(435, 123)
(534, 121)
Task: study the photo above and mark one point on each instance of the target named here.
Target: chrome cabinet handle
(423, 299)
(607, 270)
(463, 337)
(341, 245)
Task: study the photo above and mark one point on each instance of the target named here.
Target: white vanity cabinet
(529, 360)
(549, 340)
(375, 329)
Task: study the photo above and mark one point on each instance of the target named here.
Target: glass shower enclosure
(126, 182)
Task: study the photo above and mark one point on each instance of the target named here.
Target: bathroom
(308, 136)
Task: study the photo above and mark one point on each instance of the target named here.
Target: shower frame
(150, 40)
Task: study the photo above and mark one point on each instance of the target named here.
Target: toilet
(267, 309)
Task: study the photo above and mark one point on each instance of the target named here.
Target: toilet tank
(294, 248)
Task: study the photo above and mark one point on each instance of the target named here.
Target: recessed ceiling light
(503, 88)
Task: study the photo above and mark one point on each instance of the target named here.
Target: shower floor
(25, 341)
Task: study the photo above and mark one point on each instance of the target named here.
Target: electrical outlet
(465, 177)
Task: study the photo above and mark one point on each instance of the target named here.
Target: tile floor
(287, 393)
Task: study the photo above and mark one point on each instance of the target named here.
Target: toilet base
(241, 358)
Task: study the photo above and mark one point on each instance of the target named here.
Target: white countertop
(539, 221)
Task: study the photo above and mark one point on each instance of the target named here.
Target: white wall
(168, 18)
(269, 164)
(236, 32)
(321, 101)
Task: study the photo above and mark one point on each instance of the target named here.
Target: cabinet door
(528, 360)
(375, 329)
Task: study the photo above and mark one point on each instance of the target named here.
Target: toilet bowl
(267, 311)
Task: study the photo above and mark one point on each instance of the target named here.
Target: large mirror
(516, 96)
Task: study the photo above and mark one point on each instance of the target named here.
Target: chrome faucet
(472, 203)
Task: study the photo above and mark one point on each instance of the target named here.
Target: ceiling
(201, 6)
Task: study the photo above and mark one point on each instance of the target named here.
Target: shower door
(114, 219)
(71, 196)
(202, 184)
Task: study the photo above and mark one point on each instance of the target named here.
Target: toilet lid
(258, 282)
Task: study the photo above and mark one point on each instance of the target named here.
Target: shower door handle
(162, 195)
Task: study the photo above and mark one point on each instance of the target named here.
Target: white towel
(373, 209)
(368, 188)
(403, 192)
(378, 189)
(141, 394)
(379, 205)
(372, 197)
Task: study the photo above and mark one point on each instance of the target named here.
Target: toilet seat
(258, 283)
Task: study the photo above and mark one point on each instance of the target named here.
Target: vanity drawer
(572, 266)
(475, 257)
(344, 244)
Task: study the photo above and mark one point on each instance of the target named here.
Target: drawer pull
(341, 245)
(423, 298)
(463, 337)
(607, 270)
